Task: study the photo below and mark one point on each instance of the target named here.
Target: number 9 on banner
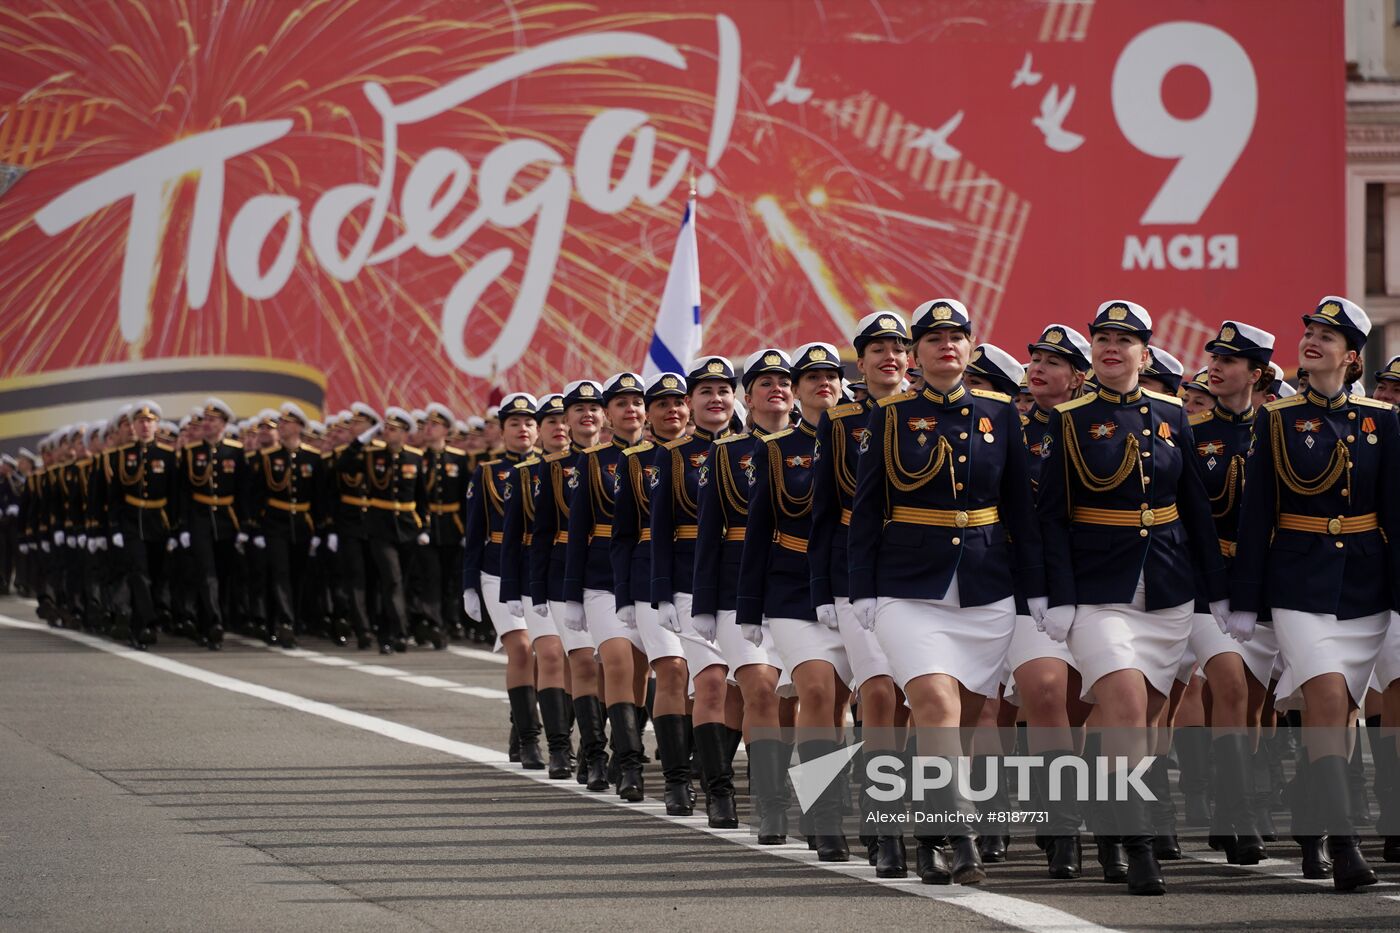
(1207, 146)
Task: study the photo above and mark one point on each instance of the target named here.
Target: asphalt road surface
(330, 789)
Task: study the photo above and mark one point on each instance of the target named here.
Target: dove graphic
(1053, 111)
(936, 141)
(786, 91)
(1024, 77)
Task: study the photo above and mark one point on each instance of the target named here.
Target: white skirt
(1186, 667)
(537, 625)
(863, 651)
(1388, 664)
(798, 641)
(1029, 643)
(573, 641)
(501, 619)
(600, 609)
(737, 651)
(938, 636)
(1125, 636)
(699, 653)
(1258, 654)
(1206, 640)
(657, 642)
(1313, 644)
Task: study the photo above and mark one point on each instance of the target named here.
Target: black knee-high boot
(1060, 801)
(1193, 755)
(1349, 868)
(1103, 820)
(1388, 794)
(527, 726)
(1309, 830)
(825, 811)
(1233, 823)
(627, 750)
(712, 748)
(1133, 826)
(554, 710)
(1162, 812)
(768, 772)
(675, 762)
(592, 742)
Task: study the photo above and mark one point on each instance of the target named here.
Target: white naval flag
(676, 339)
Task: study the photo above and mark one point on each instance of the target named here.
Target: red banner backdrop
(415, 197)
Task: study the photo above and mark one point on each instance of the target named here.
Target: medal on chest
(1102, 432)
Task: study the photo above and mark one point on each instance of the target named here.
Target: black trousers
(389, 559)
(355, 564)
(211, 561)
(144, 568)
(440, 573)
(286, 564)
(9, 552)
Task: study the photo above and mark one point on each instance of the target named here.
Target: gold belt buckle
(1148, 518)
(960, 519)
(1334, 526)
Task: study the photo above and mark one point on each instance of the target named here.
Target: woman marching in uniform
(674, 515)
(1319, 544)
(1237, 674)
(551, 675)
(583, 415)
(775, 581)
(722, 489)
(882, 356)
(931, 560)
(481, 563)
(591, 605)
(630, 551)
(1123, 516)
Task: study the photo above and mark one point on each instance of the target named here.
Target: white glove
(627, 615)
(118, 541)
(826, 615)
(58, 538)
(73, 542)
(471, 602)
(865, 613)
(669, 618)
(753, 634)
(574, 619)
(102, 544)
(704, 624)
(184, 539)
(1056, 622)
(92, 545)
(542, 609)
(1240, 625)
(44, 546)
(1220, 612)
(12, 511)
(259, 542)
(333, 542)
(241, 539)
(23, 548)
(369, 435)
(516, 608)
(171, 544)
(423, 537)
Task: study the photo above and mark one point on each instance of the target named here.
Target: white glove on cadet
(369, 435)
(118, 541)
(542, 609)
(574, 619)
(184, 539)
(627, 615)
(1056, 622)
(1038, 606)
(753, 634)
(171, 544)
(471, 602)
(1240, 625)
(704, 626)
(58, 538)
(1220, 612)
(865, 613)
(669, 618)
(516, 608)
(826, 615)
(333, 542)
(423, 538)
(259, 542)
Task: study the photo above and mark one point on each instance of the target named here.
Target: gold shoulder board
(1080, 402)
(1163, 397)
(897, 397)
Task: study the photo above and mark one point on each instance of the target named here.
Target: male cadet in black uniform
(283, 512)
(212, 475)
(10, 487)
(349, 539)
(392, 501)
(141, 515)
(447, 473)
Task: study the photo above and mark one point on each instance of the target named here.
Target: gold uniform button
(1340, 544)
(958, 487)
(963, 435)
(1143, 409)
(1351, 438)
(1146, 454)
(1146, 432)
(1142, 533)
(957, 541)
(1146, 480)
(1351, 416)
(964, 411)
(1346, 492)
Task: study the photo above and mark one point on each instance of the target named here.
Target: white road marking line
(378, 670)
(477, 654)
(331, 661)
(1023, 914)
(1287, 869)
(486, 693)
(425, 680)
